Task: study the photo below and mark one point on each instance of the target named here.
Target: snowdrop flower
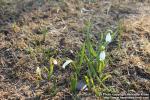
(38, 71)
(66, 63)
(108, 38)
(102, 55)
(55, 62)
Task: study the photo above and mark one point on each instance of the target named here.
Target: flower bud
(108, 38)
(102, 55)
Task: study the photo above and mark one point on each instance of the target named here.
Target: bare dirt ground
(23, 47)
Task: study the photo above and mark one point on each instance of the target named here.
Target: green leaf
(101, 67)
(92, 51)
(73, 82)
(105, 77)
(87, 81)
(92, 82)
(51, 68)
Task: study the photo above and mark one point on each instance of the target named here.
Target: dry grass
(138, 30)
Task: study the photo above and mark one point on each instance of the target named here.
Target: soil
(23, 47)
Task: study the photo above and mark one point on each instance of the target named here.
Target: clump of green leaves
(92, 57)
(73, 83)
(95, 59)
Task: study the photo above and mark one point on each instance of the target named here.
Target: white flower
(102, 55)
(108, 38)
(66, 63)
(55, 62)
(38, 71)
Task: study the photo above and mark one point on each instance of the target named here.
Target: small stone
(81, 86)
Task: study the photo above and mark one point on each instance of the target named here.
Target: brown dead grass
(139, 27)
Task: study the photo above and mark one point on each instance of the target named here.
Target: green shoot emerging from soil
(50, 70)
(46, 70)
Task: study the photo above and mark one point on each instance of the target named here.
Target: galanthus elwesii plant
(47, 70)
(92, 57)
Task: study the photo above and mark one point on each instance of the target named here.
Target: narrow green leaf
(73, 83)
(87, 81)
(92, 51)
(105, 77)
(101, 67)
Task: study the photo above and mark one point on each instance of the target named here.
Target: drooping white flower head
(102, 55)
(38, 71)
(55, 62)
(66, 63)
(108, 37)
